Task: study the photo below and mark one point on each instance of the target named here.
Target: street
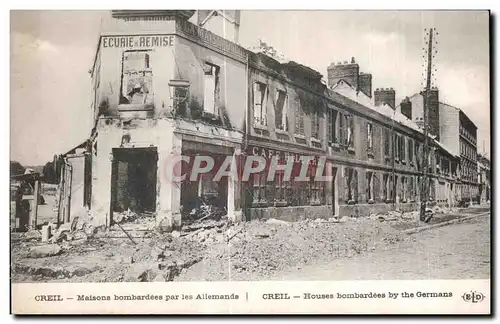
(457, 251)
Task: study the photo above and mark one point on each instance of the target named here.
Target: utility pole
(425, 162)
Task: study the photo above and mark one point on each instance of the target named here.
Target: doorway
(133, 184)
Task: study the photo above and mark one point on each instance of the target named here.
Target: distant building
(454, 129)
(484, 177)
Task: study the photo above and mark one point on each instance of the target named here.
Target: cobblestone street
(457, 251)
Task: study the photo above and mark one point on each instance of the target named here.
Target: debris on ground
(210, 248)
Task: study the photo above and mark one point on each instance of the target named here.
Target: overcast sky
(51, 52)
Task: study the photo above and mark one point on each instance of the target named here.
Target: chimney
(343, 71)
(365, 83)
(225, 23)
(385, 96)
(406, 108)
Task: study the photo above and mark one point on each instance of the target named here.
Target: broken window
(332, 125)
(211, 84)
(345, 129)
(280, 111)
(315, 125)
(350, 131)
(281, 187)
(260, 104)
(403, 189)
(403, 149)
(411, 188)
(385, 187)
(259, 188)
(369, 131)
(387, 142)
(299, 120)
(410, 150)
(351, 177)
(137, 79)
(369, 186)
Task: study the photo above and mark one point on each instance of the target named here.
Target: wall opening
(134, 179)
(204, 196)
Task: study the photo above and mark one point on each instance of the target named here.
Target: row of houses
(167, 86)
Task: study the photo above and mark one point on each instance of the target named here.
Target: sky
(52, 51)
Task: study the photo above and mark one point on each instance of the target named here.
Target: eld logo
(473, 297)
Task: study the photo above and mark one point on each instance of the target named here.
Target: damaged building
(165, 87)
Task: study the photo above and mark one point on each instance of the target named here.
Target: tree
(16, 168)
(48, 173)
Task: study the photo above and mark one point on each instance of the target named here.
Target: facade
(484, 178)
(454, 130)
(162, 89)
(165, 87)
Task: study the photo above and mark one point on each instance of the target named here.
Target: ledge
(135, 107)
(280, 204)
(280, 131)
(334, 145)
(314, 139)
(260, 126)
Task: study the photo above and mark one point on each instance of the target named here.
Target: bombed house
(164, 87)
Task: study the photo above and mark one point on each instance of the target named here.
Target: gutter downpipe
(394, 185)
(245, 140)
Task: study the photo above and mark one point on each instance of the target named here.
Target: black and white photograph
(226, 146)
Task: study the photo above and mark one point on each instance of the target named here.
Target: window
(137, 79)
(350, 131)
(369, 131)
(397, 143)
(369, 186)
(280, 187)
(411, 189)
(343, 128)
(403, 189)
(351, 185)
(280, 111)
(403, 148)
(385, 187)
(259, 188)
(315, 125)
(410, 150)
(260, 104)
(299, 120)
(332, 125)
(211, 84)
(387, 142)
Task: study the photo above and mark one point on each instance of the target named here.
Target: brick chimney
(406, 108)
(365, 83)
(385, 96)
(343, 71)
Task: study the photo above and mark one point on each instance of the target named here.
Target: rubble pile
(202, 249)
(257, 248)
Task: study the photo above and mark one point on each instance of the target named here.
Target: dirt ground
(206, 251)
